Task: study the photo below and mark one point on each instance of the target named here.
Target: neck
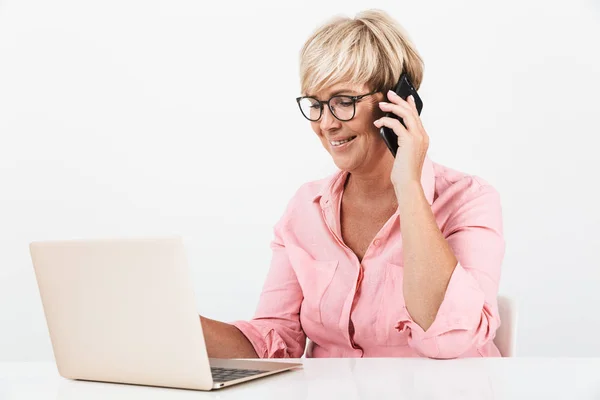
(373, 182)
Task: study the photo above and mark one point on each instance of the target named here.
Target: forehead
(339, 88)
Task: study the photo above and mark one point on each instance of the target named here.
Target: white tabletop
(370, 378)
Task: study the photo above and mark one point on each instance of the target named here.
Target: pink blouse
(317, 288)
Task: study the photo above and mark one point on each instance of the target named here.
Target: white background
(142, 118)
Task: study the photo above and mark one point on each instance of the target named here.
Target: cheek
(378, 114)
(367, 116)
(363, 126)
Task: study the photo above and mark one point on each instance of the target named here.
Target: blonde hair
(371, 49)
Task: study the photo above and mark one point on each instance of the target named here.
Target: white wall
(132, 118)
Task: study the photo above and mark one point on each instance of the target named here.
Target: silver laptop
(124, 311)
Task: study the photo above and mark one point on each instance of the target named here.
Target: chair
(506, 334)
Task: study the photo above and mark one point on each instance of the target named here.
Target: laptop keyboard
(230, 374)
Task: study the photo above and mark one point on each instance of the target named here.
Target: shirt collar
(333, 186)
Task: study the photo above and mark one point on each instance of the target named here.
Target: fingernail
(392, 93)
(383, 104)
(411, 98)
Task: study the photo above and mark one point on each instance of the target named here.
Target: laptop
(123, 311)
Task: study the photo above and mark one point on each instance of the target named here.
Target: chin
(345, 164)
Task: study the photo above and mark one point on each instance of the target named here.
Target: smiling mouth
(336, 143)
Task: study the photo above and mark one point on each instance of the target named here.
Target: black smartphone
(404, 88)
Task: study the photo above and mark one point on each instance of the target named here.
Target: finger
(393, 124)
(403, 111)
(412, 101)
(395, 99)
(413, 104)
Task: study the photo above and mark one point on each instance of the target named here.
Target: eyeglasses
(342, 107)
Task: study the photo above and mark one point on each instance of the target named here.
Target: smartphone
(404, 88)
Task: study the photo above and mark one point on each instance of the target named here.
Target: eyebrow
(344, 91)
(337, 92)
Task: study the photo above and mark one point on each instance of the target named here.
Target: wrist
(408, 191)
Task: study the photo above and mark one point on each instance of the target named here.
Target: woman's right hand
(225, 341)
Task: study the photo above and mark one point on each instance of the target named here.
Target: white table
(393, 378)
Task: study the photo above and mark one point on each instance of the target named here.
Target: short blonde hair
(371, 49)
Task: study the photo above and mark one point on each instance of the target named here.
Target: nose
(328, 121)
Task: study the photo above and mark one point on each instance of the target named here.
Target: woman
(389, 257)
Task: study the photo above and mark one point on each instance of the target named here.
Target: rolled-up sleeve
(468, 316)
(275, 330)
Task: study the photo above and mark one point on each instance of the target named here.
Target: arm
(428, 259)
(275, 330)
(225, 340)
(451, 277)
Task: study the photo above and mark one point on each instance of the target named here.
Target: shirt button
(377, 242)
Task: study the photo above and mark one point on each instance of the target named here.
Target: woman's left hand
(413, 141)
